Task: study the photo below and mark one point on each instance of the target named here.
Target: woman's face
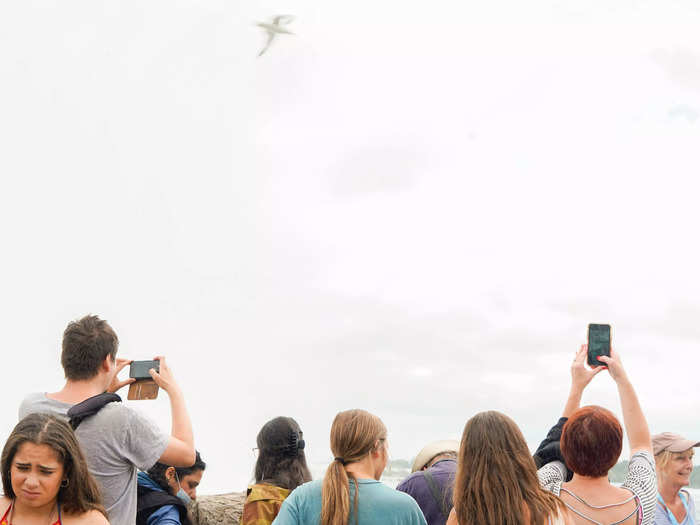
(36, 474)
(189, 483)
(677, 470)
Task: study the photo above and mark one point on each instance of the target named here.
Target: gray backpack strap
(435, 492)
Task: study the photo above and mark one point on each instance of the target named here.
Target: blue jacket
(167, 514)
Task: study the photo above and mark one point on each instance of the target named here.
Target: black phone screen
(598, 343)
(139, 369)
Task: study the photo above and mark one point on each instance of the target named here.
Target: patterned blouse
(640, 480)
(262, 504)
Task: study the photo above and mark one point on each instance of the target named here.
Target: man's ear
(107, 364)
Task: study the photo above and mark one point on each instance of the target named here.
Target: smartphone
(139, 369)
(598, 343)
(144, 387)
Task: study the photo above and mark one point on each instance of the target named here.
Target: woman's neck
(586, 483)
(26, 511)
(669, 492)
(363, 469)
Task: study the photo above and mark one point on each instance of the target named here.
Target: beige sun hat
(671, 442)
(433, 449)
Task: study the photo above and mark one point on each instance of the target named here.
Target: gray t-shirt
(116, 441)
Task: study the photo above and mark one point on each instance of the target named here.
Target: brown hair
(591, 441)
(80, 494)
(496, 480)
(354, 434)
(281, 459)
(86, 344)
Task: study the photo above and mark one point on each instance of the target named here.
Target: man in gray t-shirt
(117, 440)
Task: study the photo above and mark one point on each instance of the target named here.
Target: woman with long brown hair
(350, 492)
(45, 477)
(496, 480)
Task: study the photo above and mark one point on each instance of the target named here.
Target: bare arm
(180, 451)
(580, 377)
(635, 422)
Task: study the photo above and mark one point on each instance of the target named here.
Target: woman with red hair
(590, 445)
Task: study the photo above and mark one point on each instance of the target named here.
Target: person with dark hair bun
(164, 493)
(280, 468)
(589, 445)
(45, 478)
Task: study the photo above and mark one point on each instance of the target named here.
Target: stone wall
(219, 509)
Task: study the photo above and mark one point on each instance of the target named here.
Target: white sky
(414, 209)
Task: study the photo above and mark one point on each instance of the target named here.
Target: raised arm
(180, 451)
(635, 422)
(580, 377)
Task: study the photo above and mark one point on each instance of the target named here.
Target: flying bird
(275, 28)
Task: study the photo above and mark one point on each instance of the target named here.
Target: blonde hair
(354, 434)
(664, 457)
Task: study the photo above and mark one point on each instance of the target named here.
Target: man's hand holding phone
(116, 384)
(164, 377)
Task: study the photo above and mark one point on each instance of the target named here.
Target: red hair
(591, 441)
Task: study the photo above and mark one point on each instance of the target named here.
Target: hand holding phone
(598, 343)
(144, 387)
(580, 375)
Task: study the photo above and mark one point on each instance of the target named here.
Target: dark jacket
(153, 501)
(435, 504)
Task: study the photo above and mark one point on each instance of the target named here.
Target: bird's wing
(282, 19)
(270, 37)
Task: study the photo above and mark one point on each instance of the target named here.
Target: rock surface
(219, 509)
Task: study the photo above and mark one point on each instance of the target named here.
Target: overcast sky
(413, 209)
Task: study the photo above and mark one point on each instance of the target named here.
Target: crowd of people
(78, 456)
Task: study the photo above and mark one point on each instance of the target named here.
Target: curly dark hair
(281, 460)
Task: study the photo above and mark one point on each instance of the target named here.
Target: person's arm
(580, 377)
(549, 450)
(180, 451)
(635, 422)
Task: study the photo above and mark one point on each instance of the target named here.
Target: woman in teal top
(351, 487)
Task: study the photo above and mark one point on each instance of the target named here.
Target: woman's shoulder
(4, 504)
(398, 501)
(91, 517)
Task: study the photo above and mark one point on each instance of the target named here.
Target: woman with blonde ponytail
(351, 493)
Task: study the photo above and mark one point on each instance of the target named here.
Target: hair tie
(341, 461)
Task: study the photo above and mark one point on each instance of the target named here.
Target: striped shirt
(640, 480)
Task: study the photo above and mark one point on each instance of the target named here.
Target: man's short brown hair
(86, 344)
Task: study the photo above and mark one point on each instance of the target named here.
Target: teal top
(378, 504)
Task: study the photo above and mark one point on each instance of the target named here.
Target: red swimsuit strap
(3, 520)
